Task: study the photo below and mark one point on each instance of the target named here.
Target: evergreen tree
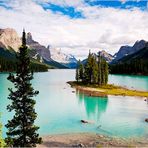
(94, 71)
(103, 71)
(88, 69)
(106, 72)
(21, 129)
(81, 70)
(77, 74)
(99, 69)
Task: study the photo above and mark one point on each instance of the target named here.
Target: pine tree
(77, 74)
(94, 71)
(106, 72)
(88, 69)
(99, 69)
(81, 71)
(21, 129)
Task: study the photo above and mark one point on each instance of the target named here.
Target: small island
(109, 89)
(92, 79)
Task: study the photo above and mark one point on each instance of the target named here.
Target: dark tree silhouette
(21, 129)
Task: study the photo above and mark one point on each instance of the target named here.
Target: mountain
(127, 50)
(67, 60)
(9, 39)
(10, 43)
(136, 63)
(41, 50)
(141, 54)
(108, 57)
(42, 53)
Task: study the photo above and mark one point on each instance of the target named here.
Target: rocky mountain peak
(10, 39)
(108, 57)
(29, 38)
(128, 50)
(59, 56)
(139, 45)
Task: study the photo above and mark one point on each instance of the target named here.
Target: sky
(77, 26)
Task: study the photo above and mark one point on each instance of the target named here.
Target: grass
(109, 89)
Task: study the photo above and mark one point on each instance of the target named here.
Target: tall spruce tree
(77, 74)
(99, 69)
(81, 71)
(106, 72)
(94, 70)
(21, 129)
(88, 69)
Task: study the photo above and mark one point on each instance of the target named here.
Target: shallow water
(60, 109)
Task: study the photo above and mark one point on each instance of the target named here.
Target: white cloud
(101, 29)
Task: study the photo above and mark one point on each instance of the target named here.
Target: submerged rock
(146, 120)
(87, 121)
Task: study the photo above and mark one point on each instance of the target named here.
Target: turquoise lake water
(60, 109)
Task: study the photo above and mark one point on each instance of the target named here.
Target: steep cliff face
(39, 50)
(9, 39)
(127, 50)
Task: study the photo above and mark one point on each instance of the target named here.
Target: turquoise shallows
(60, 107)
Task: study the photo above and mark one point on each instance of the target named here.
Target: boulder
(146, 120)
(87, 121)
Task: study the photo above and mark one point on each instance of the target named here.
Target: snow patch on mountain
(57, 55)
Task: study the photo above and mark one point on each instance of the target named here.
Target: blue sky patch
(4, 4)
(73, 13)
(70, 11)
(118, 4)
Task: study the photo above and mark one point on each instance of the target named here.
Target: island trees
(95, 71)
(21, 129)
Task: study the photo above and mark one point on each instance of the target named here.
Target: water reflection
(94, 106)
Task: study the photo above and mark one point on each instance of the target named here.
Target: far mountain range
(10, 43)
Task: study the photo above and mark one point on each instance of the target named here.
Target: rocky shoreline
(90, 140)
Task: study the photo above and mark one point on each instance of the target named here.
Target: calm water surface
(60, 109)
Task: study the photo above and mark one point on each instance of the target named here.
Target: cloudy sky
(76, 26)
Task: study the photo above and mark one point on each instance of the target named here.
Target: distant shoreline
(97, 91)
(90, 140)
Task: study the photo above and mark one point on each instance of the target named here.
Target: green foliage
(137, 66)
(2, 143)
(88, 69)
(77, 74)
(81, 69)
(94, 72)
(136, 63)
(21, 129)
(9, 65)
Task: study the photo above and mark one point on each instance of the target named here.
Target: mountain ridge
(9, 40)
(127, 50)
